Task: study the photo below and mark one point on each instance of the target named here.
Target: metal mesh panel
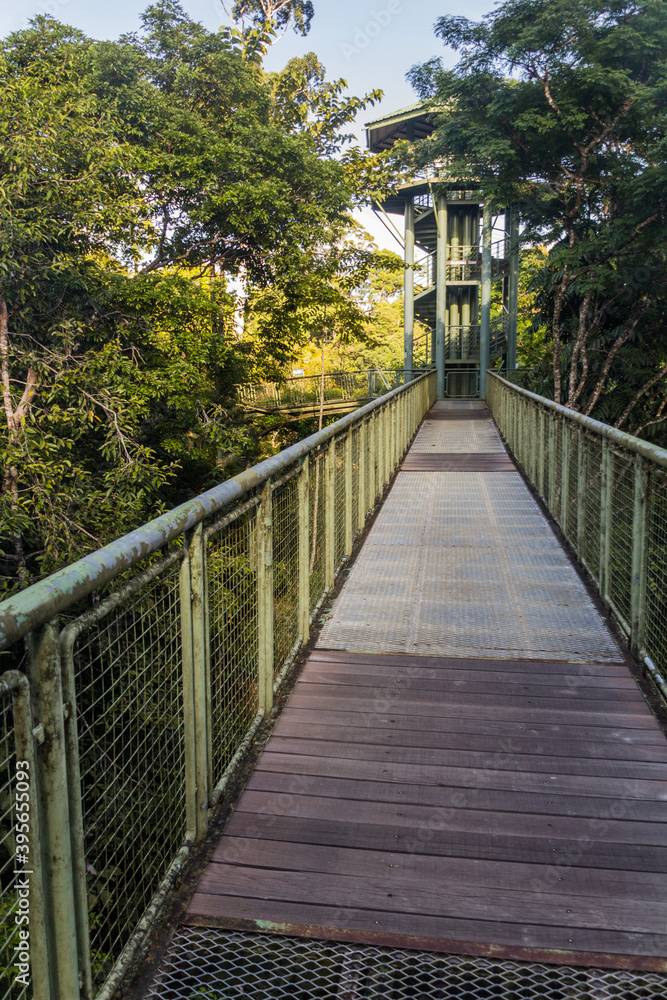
(622, 500)
(591, 546)
(356, 523)
(232, 602)
(547, 419)
(10, 989)
(317, 495)
(339, 501)
(285, 570)
(224, 965)
(557, 468)
(656, 585)
(132, 757)
(573, 484)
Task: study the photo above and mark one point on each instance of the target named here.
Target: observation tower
(455, 250)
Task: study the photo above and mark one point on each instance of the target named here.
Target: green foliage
(138, 178)
(560, 106)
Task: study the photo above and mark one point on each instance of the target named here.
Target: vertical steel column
(330, 515)
(582, 484)
(304, 550)
(441, 294)
(347, 459)
(565, 475)
(51, 781)
(606, 486)
(512, 228)
(409, 290)
(485, 319)
(265, 598)
(639, 557)
(194, 729)
(202, 674)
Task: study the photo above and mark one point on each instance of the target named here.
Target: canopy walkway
(465, 794)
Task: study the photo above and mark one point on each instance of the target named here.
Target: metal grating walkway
(466, 564)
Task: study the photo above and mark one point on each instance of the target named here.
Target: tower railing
(607, 490)
(141, 675)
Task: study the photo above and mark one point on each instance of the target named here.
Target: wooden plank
(342, 671)
(441, 796)
(291, 856)
(447, 740)
(441, 461)
(484, 685)
(301, 698)
(449, 935)
(548, 667)
(380, 721)
(467, 902)
(501, 848)
(569, 700)
(454, 817)
(463, 777)
(500, 761)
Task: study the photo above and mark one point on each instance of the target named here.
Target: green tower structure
(464, 251)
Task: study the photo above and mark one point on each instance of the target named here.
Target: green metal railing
(152, 664)
(608, 492)
(305, 390)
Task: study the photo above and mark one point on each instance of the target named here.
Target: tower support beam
(512, 228)
(441, 294)
(485, 319)
(409, 290)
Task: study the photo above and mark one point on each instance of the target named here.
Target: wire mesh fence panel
(622, 498)
(339, 501)
(285, 570)
(593, 500)
(128, 677)
(572, 484)
(556, 448)
(317, 497)
(231, 563)
(10, 874)
(656, 582)
(356, 519)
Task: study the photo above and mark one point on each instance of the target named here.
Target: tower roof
(416, 121)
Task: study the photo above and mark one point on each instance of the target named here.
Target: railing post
(565, 475)
(639, 556)
(348, 492)
(582, 485)
(304, 550)
(195, 689)
(265, 599)
(56, 841)
(330, 515)
(605, 518)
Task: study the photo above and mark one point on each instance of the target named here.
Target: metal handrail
(607, 490)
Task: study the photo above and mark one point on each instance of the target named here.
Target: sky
(370, 44)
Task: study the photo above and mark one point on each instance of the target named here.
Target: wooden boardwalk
(511, 804)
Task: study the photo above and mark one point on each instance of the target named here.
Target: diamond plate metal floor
(465, 564)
